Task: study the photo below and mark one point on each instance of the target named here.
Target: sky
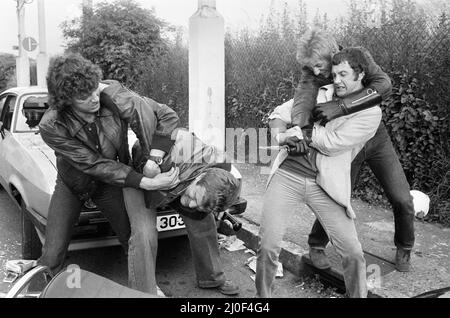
(237, 14)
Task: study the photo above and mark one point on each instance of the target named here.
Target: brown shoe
(403, 260)
(319, 258)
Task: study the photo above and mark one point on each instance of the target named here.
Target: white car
(28, 174)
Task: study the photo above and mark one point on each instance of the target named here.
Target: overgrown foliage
(167, 78)
(261, 68)
(121, 37)
(128, 43)
(411, 46)
(7, 71)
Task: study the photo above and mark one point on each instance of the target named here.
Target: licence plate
(170, 222)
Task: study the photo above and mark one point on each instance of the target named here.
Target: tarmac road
(175, 274)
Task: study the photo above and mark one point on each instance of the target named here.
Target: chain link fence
(259, 63)
(411, 46)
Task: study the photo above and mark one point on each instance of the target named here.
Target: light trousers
(284, 195)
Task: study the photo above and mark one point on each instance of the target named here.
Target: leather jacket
(80, 163)
(192, 156)
(306, 93)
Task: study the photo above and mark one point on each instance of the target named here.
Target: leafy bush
(262, 72)
(121, 37)
(166, 79)
(412, 47)
(7, 71)
(261, 69)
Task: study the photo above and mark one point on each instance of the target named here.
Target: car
(28, 174)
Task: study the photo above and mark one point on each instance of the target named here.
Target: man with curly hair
(86, 125)
(87, 128)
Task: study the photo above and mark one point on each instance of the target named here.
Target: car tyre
(31, 244)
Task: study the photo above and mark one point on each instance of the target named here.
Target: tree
(121, 37)
(7, 71)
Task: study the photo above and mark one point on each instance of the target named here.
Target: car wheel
(31, 244)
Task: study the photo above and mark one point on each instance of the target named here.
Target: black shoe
(319, 258)
(403, 260)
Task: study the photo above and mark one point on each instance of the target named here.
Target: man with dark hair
(87, 126)
(320, 177)
(315, 50)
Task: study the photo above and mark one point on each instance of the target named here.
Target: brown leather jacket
(81, 164)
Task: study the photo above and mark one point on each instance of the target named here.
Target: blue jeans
(142, 257)
(382, 159)
(64, 211)
(284, 194)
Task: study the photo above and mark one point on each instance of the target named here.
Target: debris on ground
(251, 262)
(221, 238)
(231, 243)
(314, 283)
(249, 251)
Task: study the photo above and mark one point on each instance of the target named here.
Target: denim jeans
(142, 257)
(143, 242)
(205, 251)
(284, 194)
(382, 159)
(64, 211)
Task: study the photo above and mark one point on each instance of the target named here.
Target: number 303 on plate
(170, 222)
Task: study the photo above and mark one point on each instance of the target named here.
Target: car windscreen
(30, 111)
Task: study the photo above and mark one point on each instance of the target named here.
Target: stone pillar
(22, 62)
(207, 74)
(42, 58)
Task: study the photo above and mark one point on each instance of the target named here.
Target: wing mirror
(2, 131)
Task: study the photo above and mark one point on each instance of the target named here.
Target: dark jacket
(192, 156)
(306, 94)
(80, 162)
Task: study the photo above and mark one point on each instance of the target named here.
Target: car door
(7, 102)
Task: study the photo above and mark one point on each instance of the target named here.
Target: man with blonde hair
(320, 178)
(315, 50)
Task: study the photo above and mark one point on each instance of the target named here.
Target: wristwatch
(157, 160)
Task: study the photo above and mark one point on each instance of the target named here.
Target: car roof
(26, 90)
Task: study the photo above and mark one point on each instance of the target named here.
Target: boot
(319, 258)
(403, 260)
